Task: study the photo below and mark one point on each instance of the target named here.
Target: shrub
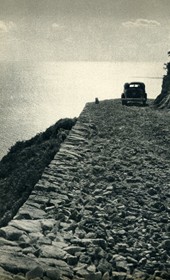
(23, 166)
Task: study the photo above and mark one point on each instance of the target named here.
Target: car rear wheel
(124, 102)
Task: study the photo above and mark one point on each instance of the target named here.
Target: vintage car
(134, 92)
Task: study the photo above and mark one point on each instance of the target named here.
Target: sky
(84, 30)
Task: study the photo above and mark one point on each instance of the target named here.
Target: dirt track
(111, 183)
(131, 144)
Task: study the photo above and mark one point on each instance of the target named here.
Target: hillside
(101, 208)
(162, 101)
(23, 166)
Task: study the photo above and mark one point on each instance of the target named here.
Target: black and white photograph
(85, 139)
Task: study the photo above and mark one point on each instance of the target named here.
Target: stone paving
(101, 209)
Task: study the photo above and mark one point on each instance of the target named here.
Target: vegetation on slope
(23, 166)
(163, 99)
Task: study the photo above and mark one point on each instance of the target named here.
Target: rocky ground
(101, 209)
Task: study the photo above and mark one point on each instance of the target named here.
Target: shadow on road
(136, 104)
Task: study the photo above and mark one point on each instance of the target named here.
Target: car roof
(136, 83)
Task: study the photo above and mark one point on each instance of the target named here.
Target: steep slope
(163, 99)
(101, 208)
(23, 166)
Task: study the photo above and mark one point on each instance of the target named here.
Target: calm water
(35, 96)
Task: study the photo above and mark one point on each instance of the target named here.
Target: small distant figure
(96, 100)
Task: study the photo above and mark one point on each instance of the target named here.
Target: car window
(134, 85)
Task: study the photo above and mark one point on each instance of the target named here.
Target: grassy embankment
(22, 167)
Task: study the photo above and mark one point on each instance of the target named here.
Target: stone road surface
(101, 209)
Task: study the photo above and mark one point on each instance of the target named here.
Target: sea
(35, 95)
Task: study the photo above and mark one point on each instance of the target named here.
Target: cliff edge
(101, 208)
(163, 99)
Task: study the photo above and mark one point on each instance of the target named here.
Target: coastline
(111, 180)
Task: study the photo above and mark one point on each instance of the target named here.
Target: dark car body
(134, 92)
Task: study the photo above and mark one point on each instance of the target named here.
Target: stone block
(34, 273)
